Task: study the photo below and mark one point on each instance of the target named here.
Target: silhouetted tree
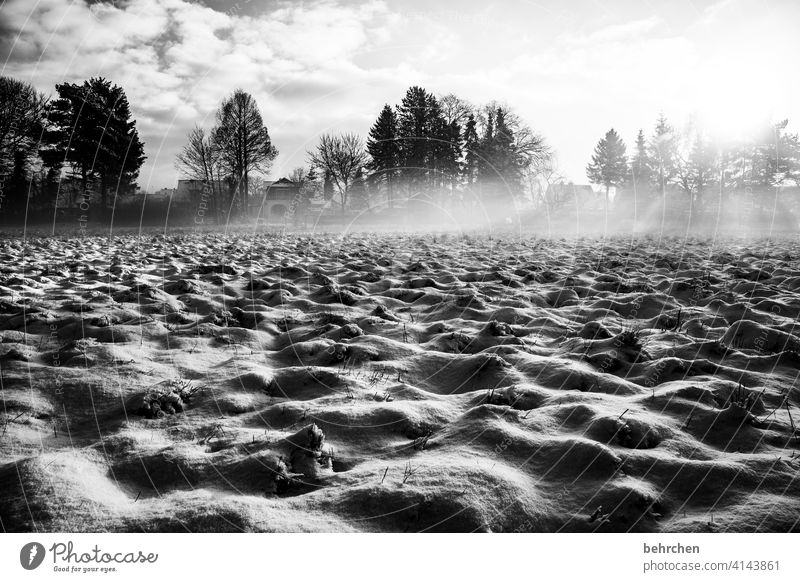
(418, 128)
(782, 156)
(471, 151)
(384, 151)
(22, 116)
(663, 155)
(452, 156)
(641, 166)
(697, 169)
(341, 158)
(200, 159)
(502, 164)
(609, 165)
(454, 108)
(244, 144)
(91, 130)
(509, 150)
(486, 151)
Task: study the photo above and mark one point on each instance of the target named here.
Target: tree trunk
(103, 195)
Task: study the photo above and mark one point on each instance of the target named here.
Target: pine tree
(424, 142)
(486, 171)
(501, 163)
(471, 151)
(641, 164)
(452, 166)
(663, 155)
(413, 131)
(698, 170)
(609, 166)
(311, 186)
(384, 150)
(781, 156)
(506, 160)
(91, 129)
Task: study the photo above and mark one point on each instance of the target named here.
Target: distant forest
(79, 152)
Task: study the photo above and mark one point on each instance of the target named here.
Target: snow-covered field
(213, 382)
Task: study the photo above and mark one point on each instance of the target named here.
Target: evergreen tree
(781, 156)
(384, 150)
(697, 170)
(418, 117)
(90, 128)
(507, 162)
(471, 151)
(609, 166)
(641, 165)
(412, 128)
(500, 169)
(437, 145)
(486, 152)
(311, 187)
(452, 161)
(663, 155)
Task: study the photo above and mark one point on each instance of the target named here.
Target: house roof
(282, 183)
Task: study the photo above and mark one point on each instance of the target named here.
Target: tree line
(695, 164)
(426, 149)
(227, 156)
(82, 144)
(430, 149)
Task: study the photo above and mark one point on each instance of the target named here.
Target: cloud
(622, 32)
(177, 59)
(331, 65)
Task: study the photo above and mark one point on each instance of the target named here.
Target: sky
(571, 70)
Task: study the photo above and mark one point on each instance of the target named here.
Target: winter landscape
(377, 290)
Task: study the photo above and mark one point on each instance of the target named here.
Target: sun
(732, 106)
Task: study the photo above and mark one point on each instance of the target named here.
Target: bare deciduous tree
(244, 143)
(454, 108)
(200, 159)
(341, 158)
